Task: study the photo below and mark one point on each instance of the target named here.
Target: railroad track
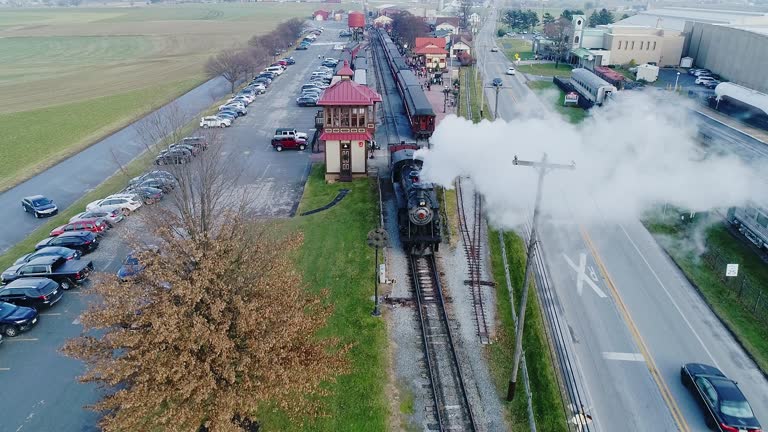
(385, 85)
(472, 239)
(452, 410)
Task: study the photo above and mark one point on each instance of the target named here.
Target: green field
(546, 69)
(548, 91)
(512, 46)
(336, 257)
(69, 75)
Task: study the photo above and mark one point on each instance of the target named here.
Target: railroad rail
(385, 86)
(471, 237)
(452, 408)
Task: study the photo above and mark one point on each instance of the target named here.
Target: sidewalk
(436, 98)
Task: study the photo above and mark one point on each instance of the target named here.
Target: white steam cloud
(630, 155)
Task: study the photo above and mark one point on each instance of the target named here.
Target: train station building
(431, 52)
(348, 126)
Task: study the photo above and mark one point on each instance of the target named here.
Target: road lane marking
(677, 416)
(5, 369)
(669, 295)
(51, 314)
(623, 356)
(18, 339)
(581, 275)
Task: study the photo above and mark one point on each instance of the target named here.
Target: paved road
(635, 314)
(39, 387)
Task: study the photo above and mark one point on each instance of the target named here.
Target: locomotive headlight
(421, 215)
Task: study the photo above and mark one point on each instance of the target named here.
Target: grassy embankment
(736, 312)
(545, 69)
(544, 388)
(71, 76)
(336, 257)
(512, 46)
(549, 91)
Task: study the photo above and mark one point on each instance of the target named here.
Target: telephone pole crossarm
(543, 167)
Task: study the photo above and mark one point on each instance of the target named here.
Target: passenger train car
(591, 86)
(420, 113)
(752, 221)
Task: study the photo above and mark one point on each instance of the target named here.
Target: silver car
(111, 216)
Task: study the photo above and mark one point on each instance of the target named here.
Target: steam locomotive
(418, 211)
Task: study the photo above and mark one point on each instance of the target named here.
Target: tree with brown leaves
(216, 326)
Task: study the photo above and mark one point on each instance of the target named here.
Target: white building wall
(332, 162)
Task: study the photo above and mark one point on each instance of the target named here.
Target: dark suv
(32, 292)
(15, 319)
(84, 241)
(287, 142)
(39, 206)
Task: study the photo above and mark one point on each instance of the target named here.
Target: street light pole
(677, 78)
(543, 167)
(496, 107)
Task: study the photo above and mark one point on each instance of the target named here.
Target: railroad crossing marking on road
(581, 275)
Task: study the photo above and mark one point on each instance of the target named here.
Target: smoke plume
(631, 155)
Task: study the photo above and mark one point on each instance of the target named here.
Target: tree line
(235, 64)
(603, 17)
(518, 19)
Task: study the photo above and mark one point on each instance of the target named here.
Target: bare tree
(162, 125)
(217, 325)
(560, 33)
(228, 64)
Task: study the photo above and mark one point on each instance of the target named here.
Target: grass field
(512, 46)
(547, 405)
(550, 92)
(335, 256)
(752, 332)
(546, 69)
(69, 75)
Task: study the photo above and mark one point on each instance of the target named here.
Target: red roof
(348, 92)
(430, 49)
(346, 70)
(424, 41)
(454, 21)
(610, 73)
(345, 136)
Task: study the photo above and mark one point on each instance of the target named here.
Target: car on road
(724, 405)
(495, 49)
(66, 272)
(510, 70)
(83, 241)
(94, 225)
(39, 206)
(57, 251)
(287, 142)
(16, 319)
(497, 82)
(148, 194)
(36, 293)
(213, 121)
(306, 101)
(126, 202)
(111, 217)
(175, 156)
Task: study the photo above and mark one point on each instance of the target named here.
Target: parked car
(160, 173)
(39, 206)
(289, 60)
(163, 184)
(175, 156)
(316, 94)
(66, 272)
(83, 241)
(306, 101)
(711, 84)
(57, 251)
(302, 47)
(148, 194)
(257, 87)
(236, 108)
(213, 121)
(196, 141)
(703, 79)
(131, 267)
(111, 217)
(16, 319)
(227, 114)
(31, 292)
(194, 151)
(94, 225)
(510, 70)
(723, 403)
(126, 202)
(286, 142)
(290, 132)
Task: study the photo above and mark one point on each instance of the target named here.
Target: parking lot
(38, 383)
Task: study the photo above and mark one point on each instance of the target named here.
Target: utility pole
(496, 105)
(543, 168)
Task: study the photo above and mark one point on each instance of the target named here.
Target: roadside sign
(517, 56)
(571, 98)
(732, 270)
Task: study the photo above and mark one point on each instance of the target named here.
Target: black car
(227, 114)
(724, 405)
(306, 101)
(39, 206)
(148, 194)
(84, 241)
(152, 175)
(16, 319)
(191, 149)
(31, 292)
(497, 82)
(289, 60)
(65, 272)
(195, 141)
(158, 183)
(173, 156)
(69, 254)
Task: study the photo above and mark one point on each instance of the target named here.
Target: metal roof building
(674, 18)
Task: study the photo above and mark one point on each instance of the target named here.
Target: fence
(749, 293)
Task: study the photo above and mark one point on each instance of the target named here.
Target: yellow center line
(655, 374)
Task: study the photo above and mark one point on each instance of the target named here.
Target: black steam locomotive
(418, 211)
